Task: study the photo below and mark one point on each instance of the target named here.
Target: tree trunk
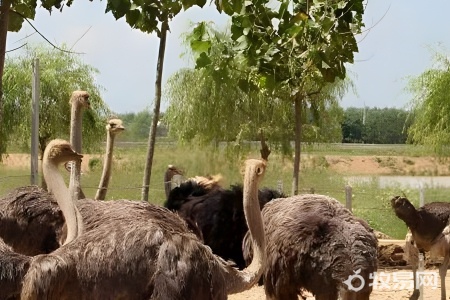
(297, 140)
(4, 16)
(152, 134)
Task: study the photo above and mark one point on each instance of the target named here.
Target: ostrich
(314, 243)
(113, 128)
(146, 252)
(30, 220)
(215, 214)
(170, 173)
(79, 101)
(429, 226)
(13, 266)
(411, 255)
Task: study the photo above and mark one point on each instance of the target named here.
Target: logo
(350, 280)
(391, 280)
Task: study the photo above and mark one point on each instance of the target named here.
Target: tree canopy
(61, 73)
(219, 104)
(294, 46)
(431, 105)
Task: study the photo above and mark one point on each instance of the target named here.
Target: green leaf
(15, 22)
(132, 17)
(200, 46)
(283, 7)
(189, 3)
(118, 7)
(202, 61)
(25, 10)
(199, 31)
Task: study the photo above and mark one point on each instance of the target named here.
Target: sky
(394, 46)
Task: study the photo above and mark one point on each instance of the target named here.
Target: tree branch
(16, 48)
(54, 46)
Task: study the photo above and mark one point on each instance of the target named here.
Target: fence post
(35, 124)
(421, 195)
(419, 273)
(280, 186)
(348, 197)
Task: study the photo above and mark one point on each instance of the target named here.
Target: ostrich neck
(245, 279)
(75, 127)
(106, 174)
(57, 186)
(75, 141)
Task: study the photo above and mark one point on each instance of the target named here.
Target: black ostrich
(429, 226)
(215, 214)
(314, 243)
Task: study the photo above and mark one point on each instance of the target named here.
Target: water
(386, 181)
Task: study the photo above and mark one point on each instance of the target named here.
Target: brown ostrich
(13, 266)
(30, 219)
(79, 102)
(314, 243)
(411, 255)
(146, 252)
(113, 128)
(429, 226)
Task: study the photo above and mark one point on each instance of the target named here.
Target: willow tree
(12, 15)
(61, 73)
(431, 106)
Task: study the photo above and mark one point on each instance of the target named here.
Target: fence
(368, 199)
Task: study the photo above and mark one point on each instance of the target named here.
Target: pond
(385, 181)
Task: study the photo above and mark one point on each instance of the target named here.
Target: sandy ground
(348, 165)
(392, 285)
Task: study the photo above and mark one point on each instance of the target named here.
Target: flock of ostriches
(206, 243)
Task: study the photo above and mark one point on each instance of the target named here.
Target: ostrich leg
(443, 273)
(415, 295)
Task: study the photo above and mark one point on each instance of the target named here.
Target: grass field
(368, 201)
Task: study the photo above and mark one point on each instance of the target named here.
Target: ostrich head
(80, 99)
(60, 151)
(115, 126)
(404, 210)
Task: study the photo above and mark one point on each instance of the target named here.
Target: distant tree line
(375, 125)
(357, 125)
(137, 126)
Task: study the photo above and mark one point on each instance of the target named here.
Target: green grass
(369, 202)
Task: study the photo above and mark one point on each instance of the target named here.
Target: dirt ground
(387, 288)
(347, 165)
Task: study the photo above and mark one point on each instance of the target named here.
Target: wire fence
(354, 197)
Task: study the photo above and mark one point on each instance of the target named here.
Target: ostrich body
(314, 243)
(13, 266)
(31, 221)
(429, 226)
(79, 101)
(146, 252)
(113, 128)
(215, 214)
